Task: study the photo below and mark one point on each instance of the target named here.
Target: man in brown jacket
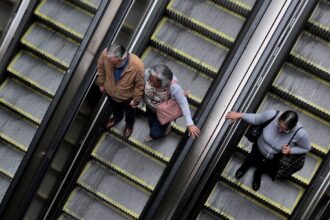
(121, 77)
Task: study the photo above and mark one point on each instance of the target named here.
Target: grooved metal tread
(205, 215)
(319, 137)
(90, 5)
(107, 183)
(126, 158)
(15, 129)
(65, 216)
(269, 192)
(50, 44)
(23, 99)
(10, 158)
(234, 205)
(200, 49)
(242, 7)
(305, 175)
(84, 205)
(65, 16)
(36, 72)
(210, 16)
(304, 86)
(4, 184)
(313, 50)
(189, 79)
(164, 147)
(321, 15)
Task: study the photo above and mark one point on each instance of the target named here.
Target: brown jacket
(131, 83)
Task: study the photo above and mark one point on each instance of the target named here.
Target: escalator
(29, 84)
(6, 10)
(120, 175)
(302, 84)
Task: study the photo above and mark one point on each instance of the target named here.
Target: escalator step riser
(67, 18)
(88, 5)
(183, 59)
(319, 31)
(38, 74)
(235, 6)
(300, 103)
(200, 29)
(103, 181)
(301, 62)
(217, 212)
(59, 49)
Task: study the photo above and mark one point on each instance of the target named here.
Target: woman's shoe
(148, 139)
(256, 181)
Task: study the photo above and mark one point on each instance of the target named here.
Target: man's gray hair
(116, 50)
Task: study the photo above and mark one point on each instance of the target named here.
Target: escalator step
(4, 184)
(208, 18)
(303, 176)
(205, 215)
(201, 52)
(162, 149)
(89, 5)
(281, 195)
(311, 53)
(242, 7)
(189, 79)
(64, 216)
(104, 182)
(127, 160)
(50, 44)
(65, 16)
(318, 129)
(10, 158)
(24, 100)
(319, 21)
(227, 201)
(84, 205)
(304, 87)
(36, 72)
(15, 129)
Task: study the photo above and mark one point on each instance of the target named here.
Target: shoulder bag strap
(294, 135)
(270, 120)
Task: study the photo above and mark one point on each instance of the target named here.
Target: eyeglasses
(281, 129)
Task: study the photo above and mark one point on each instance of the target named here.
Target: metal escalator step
(130, 197)
(311, 53)
(161, 149)
(242, 7)
(318, 129)
(89, 5)
(303, 176)
(319, 22)
(4, 184)
(50, 45)
(84, 205)
(304, 87)
(16, 130)
(65, 16)
(36, 72)
(189, 79)
(22, 99)
(128, 161)
(201, 53)
(65, 216)
(281, 195)
(10, 159)
(232, 204)
(206, 215)
(208, 18)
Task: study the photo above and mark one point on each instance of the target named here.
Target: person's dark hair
(289, 118)
(117, 50)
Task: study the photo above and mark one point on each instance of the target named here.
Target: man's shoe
(239, 173)
(128, 131)
(111, 123)
(256, 181)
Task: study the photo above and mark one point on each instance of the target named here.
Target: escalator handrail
(12, 26)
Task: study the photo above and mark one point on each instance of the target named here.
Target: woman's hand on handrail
(234, 116)
(194, 131)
